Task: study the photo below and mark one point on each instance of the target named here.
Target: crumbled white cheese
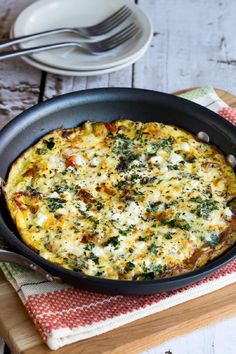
(228, 213)
(95, 161)
(79, 160)
(62, 211)
(140, 246)
(53, 161)
(148, 262)
(152, 198)
(117, 216)
(72, 209)
(188, 216)
(164, 169)
(71, 248)
(194, 183)
(53, 195)
(184, 146)
(133, 211)
(175, 158)
(135, 163)
(156, 159)
(122, 249)
(98, 251)
(40, 218)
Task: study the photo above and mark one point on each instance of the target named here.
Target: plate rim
(79, 73)
(16, 31)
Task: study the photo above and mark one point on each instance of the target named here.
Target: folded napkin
(64, 315)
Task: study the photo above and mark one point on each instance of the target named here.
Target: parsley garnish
(168, 236)
(153, 249)
(90, 246)
(204, 207)
(55, 203)
(113, 241)
(130, 265)
(176, 223)
(50, 143)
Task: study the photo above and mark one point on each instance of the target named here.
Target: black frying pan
(106, 105)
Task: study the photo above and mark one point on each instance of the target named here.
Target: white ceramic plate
(47, 14)
(55, 70)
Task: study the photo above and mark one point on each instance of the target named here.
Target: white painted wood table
(193, 45)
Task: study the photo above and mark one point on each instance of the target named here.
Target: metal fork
(96, 30)
(91, 47)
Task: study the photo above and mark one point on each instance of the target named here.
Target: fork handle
(18, 40)
(27, 51)
(15, 258)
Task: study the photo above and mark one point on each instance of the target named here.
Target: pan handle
(12, 257)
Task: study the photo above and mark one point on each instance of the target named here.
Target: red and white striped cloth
(64, 315)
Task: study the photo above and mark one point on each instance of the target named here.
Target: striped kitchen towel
(64, 315)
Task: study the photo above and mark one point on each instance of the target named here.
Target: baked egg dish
(124, 200)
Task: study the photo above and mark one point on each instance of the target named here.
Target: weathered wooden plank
(57, 84)
(194, 45)
(19, 83)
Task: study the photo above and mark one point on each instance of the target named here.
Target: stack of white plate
(49, 14)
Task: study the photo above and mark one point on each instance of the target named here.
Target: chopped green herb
(154, 206)
(205, 207)
(153, 249)
(33, 191)
(90, 246)
(142, 238)
(164, 144)
(113, 241)
(122, 144)
(130, 265)
(173, 167)
(55, 203)
(99, 206)
(50, 143)
(94, 258)
(125, 161)
(146, 180)
(213, 241)
(176, 223)
(152, 274)
(134, 177)
(41, 151)
(168, 236)
(125, 232)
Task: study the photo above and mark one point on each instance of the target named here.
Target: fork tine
(117, 21)
(110, 18)
(119, 34)
(121, 37)
(112, 21)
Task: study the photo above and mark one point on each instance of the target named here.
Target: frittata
(124, 200)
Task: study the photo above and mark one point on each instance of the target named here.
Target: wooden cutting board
(22, 338)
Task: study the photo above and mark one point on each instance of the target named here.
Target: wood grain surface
(21, 336)
(19, 83)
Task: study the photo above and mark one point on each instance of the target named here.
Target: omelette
(124, 200)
